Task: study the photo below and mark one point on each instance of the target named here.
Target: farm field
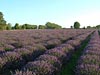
(49, 37)
(49, 52)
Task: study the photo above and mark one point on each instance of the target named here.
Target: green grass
(69, 68)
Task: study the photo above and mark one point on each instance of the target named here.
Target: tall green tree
(2, 22)
(76, 25)
(1, 17)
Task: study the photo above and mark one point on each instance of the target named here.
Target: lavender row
(51, 61)
(89, 62)
(18, 57)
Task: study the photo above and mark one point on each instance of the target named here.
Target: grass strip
(69, 68)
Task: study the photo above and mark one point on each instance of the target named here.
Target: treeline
(94, 27)
(77, 26)
(48, 25)
(5, 26)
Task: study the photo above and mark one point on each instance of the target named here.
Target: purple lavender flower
(24, 73)
(51, 59)
(39, 67)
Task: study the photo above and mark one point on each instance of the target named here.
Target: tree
(16, 26)
(33, 26)
(1, 17)
(76, 25)
(23, 27)
(94, 27)
(50, 25)
(2, 22)
(84, 27)
(88, 27)
(28, 26)
(98, 26)
(71, 27)
(42, 27)
(9, 26)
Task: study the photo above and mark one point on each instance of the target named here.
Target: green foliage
(1, 17)
(50, 25)
(69, 68)
(16, 26)
(3, 27)
(12, 28)
(23, 27)
(42, 27)
(2, 22)
(88, 27)
(94, 27)
(9, 26)
(76, 25)
(28, 26)
(84, 27)
(98, 26)
(71, 27)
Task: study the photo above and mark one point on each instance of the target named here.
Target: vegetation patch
(69, 68)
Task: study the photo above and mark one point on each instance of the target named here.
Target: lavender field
(49, 37)
(49, 52)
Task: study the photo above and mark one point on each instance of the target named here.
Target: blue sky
(62, 12)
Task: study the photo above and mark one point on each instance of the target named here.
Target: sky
(62, 12)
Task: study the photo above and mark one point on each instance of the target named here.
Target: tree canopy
(2, 22)
(76, 25)
(42, 27)
(50, 25)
